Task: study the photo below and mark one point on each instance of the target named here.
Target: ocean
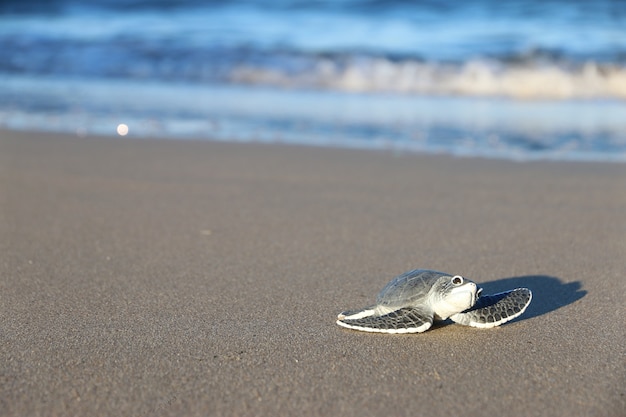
(520, 80)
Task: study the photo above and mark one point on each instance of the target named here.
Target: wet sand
(153, 277)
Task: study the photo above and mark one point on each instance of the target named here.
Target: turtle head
(451, 295)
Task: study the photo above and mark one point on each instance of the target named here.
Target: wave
(476, 77)
(523, 50)
(535, 77)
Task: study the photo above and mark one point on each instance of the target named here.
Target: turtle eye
(457, 280)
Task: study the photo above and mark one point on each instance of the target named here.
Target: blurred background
(521, 79)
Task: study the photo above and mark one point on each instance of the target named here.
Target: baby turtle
(411, 301)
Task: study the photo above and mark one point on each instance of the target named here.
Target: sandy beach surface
(155, 277)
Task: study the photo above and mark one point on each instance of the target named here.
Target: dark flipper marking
(494, 310)
(404, 320)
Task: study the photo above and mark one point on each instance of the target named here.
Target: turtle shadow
(549, 293)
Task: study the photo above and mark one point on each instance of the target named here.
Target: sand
(155, 277)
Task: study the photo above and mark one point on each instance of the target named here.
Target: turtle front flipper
(494, 310)
(404, 320)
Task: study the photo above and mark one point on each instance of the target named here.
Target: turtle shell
(410, 288)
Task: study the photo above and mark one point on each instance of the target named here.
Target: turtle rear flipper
(494, 310)
(404, 320)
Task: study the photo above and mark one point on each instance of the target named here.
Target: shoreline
(186, 277)
(389, 149)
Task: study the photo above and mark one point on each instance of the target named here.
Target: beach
(175, 277)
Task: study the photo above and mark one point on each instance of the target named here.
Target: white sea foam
(477, 77)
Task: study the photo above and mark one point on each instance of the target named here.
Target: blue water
(519, 79)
